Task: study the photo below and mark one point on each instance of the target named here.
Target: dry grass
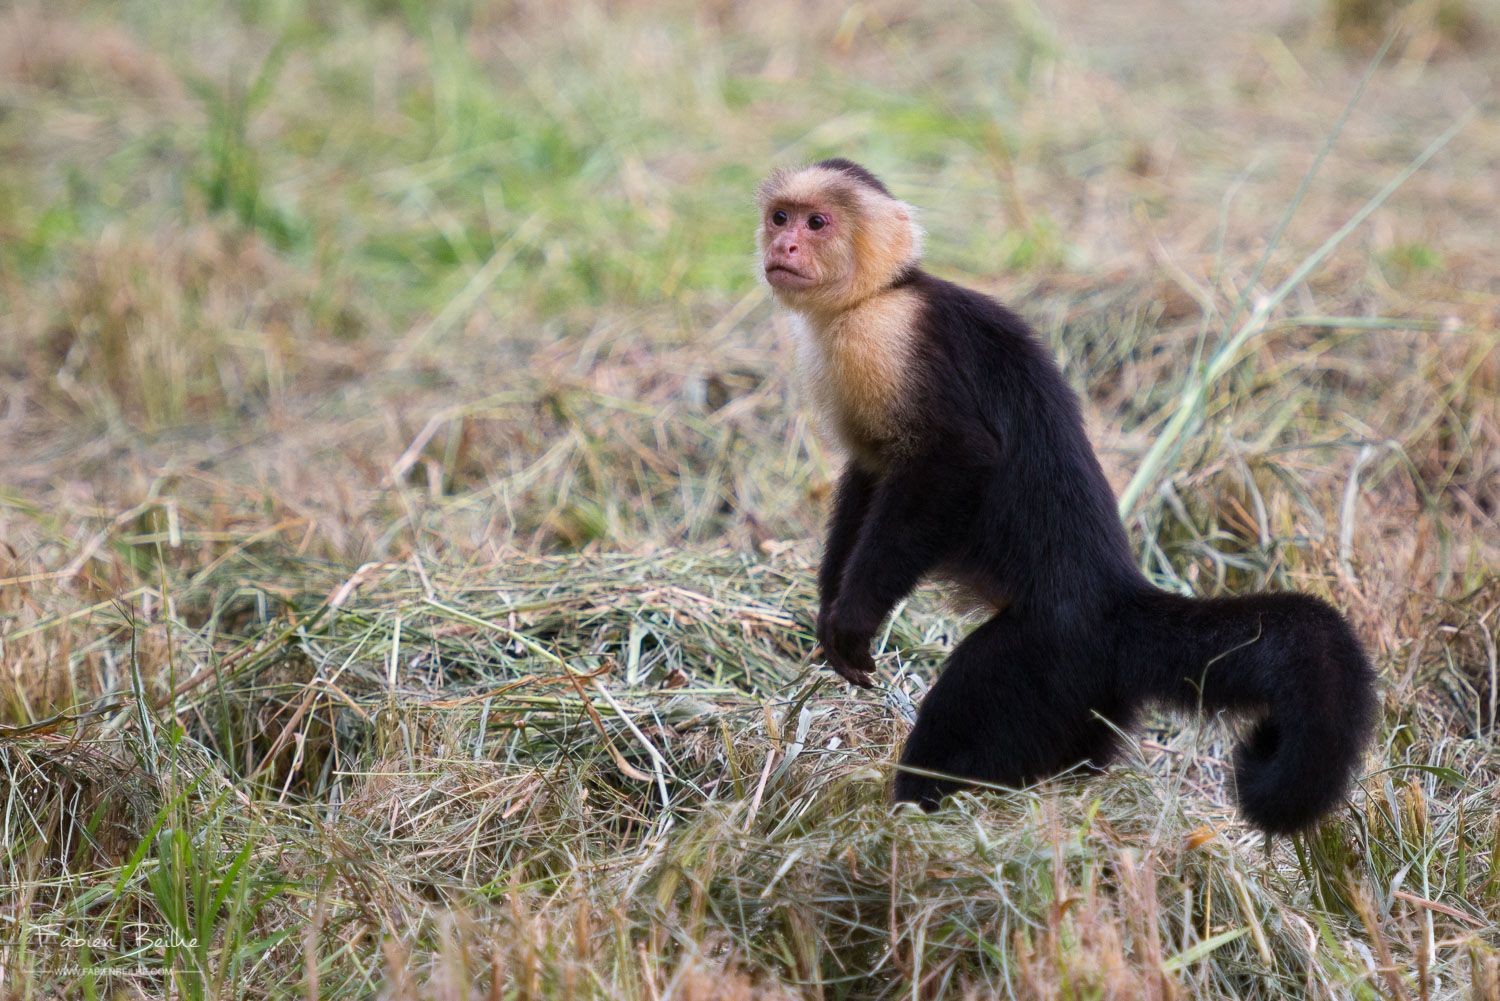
(408, 526)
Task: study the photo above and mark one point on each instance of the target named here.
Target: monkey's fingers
(853, 675)
(858, 676)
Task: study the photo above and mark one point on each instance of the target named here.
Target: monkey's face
(830, 238)
(805, 251)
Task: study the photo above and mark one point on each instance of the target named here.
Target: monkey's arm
(918, 513)
(851, 504)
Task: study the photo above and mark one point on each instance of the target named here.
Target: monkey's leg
(1008, 709)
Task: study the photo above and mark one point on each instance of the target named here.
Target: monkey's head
(831, 235)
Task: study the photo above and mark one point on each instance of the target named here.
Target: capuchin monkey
(968, 462)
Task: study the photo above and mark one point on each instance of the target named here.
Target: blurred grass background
(408, 519)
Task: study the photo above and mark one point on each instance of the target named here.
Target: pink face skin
(794, 236)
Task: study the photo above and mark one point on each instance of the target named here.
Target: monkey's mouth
(781, 276)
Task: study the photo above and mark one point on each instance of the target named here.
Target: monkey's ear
(908, 216)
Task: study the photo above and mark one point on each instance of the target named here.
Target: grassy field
(408, 519)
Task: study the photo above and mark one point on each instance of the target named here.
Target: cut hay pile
(408, 523)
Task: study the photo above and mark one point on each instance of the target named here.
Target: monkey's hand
(846, 647)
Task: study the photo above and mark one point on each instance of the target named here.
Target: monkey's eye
(778, 217)
(817, 221)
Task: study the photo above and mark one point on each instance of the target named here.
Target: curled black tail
(1290, 657)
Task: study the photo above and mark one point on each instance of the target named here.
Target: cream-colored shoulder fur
(857, 367)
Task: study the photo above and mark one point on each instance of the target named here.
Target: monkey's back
(1048, 530)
